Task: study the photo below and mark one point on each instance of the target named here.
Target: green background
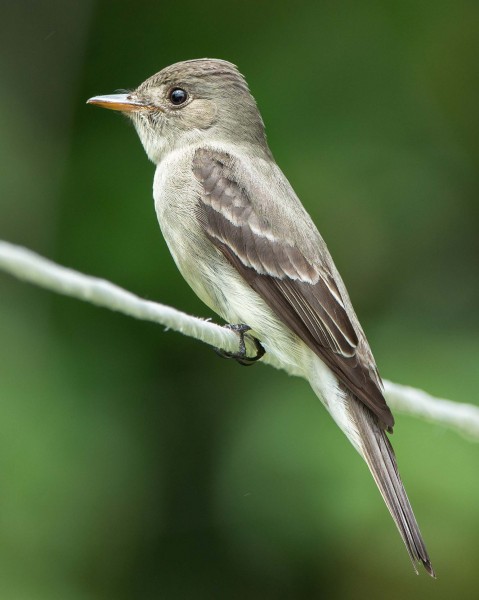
(135, 464)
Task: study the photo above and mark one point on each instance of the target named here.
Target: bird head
(187, 103)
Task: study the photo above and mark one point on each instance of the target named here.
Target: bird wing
(302, 293)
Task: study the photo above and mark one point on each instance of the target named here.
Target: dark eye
(178, 96)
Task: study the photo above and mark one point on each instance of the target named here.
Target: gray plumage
(247, 247)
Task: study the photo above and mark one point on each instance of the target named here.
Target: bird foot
(241, 356)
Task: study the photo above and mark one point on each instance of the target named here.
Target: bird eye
(178, 96)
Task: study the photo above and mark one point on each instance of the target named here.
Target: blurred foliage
(133, 462)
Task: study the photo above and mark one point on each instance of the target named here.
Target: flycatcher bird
(244, 242)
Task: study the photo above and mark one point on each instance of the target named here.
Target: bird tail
(363, 430)
(378, 453)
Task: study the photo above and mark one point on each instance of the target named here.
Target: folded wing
(301, 292)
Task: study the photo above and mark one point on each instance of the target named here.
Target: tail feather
(379, 456)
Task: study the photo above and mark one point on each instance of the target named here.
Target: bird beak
(121, 102)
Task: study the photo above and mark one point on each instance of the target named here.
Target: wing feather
(302, 293)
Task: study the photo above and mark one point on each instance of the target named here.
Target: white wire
(29, 266)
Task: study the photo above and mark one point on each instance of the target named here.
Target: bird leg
(241, 356)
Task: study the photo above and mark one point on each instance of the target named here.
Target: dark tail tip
(429, 569)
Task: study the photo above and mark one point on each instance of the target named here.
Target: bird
(247, 247)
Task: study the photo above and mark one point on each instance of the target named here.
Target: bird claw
(241, 356)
